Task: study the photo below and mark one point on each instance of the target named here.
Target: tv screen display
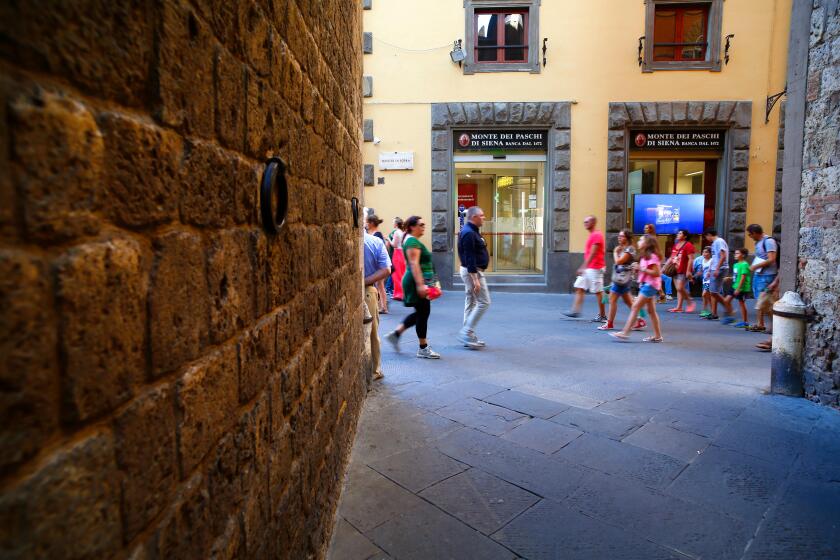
(668, 212)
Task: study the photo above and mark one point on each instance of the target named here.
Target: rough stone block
(29, 375)
(102, 290)
(560, 241)
(207, 185)
(486, 110)
(679, 111)
(69, 508)
(230, 281)
(58, 152)
(146, 455)
(440, 181)
(440, 202)
(178, 302)
(742, 115)
(740, 159)
(257, 352)
(663, 110)
(615, 221)
(634, 110)
(500, 111)
(562, 139)
(440, 115)
(439, 221)
(139, 154)
(618, 117)
(561, 180)
(649, 113)
(472, 112)
(561, 220)
(367, 42)
(737, 225)
(616, 160)
(615, 140)
(545, 113)
(439, 242)
(230, 100)
(440, 160)
(560, 201)
(367, 86)
(738, 181)
(516, 112)
(615, 181)
(738, 202)
(563, 115)
(440, 140)
(259, 121)
(456, 113)
(206, 399)
(724, 112)
(615, 202)
(710, 109)
(184, 531)
(368, 173)
(529, 113)
(740, 138)
(695, 111)
(562, 159)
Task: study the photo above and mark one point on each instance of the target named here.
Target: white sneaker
(394, 340)
(470, 341)
(428, 353)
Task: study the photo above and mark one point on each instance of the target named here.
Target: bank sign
(707, 140)
(508, 140)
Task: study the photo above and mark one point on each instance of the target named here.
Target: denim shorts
(716, 284)
(760, 283)
(619, 289)
(647, 290)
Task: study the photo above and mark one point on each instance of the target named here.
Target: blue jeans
(761, 282)
(648, 291)
(668, 284)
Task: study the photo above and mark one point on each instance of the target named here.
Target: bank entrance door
(512, 194)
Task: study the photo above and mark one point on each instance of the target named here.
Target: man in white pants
(591, 272)
(472, 251)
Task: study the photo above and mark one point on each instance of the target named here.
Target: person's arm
(413, 254)
(652, 270)
(741, 282)
(380, 274)
(474, 274)
(689, 264)
(468, 245)
(721, 260)
(624, 258)
(589, 257)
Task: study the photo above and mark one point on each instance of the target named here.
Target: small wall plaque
(396, 160)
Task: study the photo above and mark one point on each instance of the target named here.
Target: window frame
(531, 10)
(714, 28)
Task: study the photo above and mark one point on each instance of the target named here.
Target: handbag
(433, 289)
(670, 268)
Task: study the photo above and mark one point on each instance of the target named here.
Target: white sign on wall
(396, 160)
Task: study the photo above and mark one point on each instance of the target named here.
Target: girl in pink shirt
(650, 282)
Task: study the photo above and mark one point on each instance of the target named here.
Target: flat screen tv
(668, 212)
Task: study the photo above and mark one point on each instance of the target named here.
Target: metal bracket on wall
(274, 196)
(354, 207)
(545, 48)
(726, 49)
(641, 49)
(771, 102)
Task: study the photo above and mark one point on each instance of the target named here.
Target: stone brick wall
(819, 260)
(174, 383)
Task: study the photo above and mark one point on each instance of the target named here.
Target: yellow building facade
(633, 111)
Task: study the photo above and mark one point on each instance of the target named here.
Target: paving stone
(682, 446)
(488, 418)
(378, 439)
(542, 435)
(427, 532)
(595, 388)
(765, 442)
(527, 404)
(738, 484)
(805, 523)
(480, 500)
(621, 459)
(789, 413)
(690, 422)
(369, 499)
(819, 461)
(559, 395)
(668, 521)
(592, 421)
(433, 397)
(349, 544)
(419, 468)
(550, 531)
(544, 476)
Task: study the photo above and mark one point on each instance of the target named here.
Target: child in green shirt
(741, 285)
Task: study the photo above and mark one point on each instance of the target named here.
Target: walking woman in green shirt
(419, 272)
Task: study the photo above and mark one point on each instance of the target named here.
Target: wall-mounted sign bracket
(641, 49)
(726, 49)
(544, 49)
(771, 102)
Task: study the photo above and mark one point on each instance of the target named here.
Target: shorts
(716, 284)
(765, 301)
(705, 286)
(743, 296)
(648, 291)
(680, 277)
(619, 289)
(592, 281)
(761, 282)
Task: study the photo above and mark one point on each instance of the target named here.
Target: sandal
(652, 339)
(755, 328)
(765, 346)
(620, 336)
(675, 310)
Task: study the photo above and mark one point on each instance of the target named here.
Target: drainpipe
(789, 316)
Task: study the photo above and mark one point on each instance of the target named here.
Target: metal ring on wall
(354, 205)
(274, 195)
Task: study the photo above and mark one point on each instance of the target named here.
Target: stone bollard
(788, 345)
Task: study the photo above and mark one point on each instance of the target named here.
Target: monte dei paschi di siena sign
(677, 140)
(499, 139)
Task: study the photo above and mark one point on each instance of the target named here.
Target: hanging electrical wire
(446, 46)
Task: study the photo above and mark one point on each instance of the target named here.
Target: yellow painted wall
(591, 60)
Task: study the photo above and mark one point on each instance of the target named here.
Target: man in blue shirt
(765, 267)
(377, 267)
(472, 251)
(719, 270)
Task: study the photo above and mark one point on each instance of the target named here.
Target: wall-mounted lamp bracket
(726, 48)
(641, 49)
(274, 196)
(771, 102)
(544, 48)
(457, 55)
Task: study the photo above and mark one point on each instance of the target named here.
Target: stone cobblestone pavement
(557, 442)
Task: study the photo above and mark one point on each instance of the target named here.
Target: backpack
(778, 249)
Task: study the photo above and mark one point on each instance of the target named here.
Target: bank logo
(641, 140)
(464, 140)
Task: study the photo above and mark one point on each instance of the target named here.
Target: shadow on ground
(557, 442)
